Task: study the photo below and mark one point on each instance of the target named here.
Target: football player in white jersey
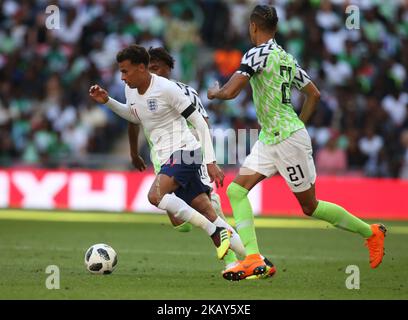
(162, 109)
(161, 64)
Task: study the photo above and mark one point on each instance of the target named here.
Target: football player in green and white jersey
(283, 146)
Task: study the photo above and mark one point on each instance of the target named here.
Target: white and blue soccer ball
(100, 259)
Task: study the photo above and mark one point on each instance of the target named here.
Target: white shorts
(292, 158)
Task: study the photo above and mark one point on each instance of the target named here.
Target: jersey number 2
(285, 87)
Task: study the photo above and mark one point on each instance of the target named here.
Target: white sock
(236, 243)
(180, 209)
(216, 204)
(221, 223)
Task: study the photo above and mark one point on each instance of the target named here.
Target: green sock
(244, 217)
(230, 257)
(340, 218)
(184, 227)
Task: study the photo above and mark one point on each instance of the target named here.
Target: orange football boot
(270, 271)
(375, 244)
(253, 264)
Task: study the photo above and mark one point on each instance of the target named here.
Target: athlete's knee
(236, 192)
(154, 198)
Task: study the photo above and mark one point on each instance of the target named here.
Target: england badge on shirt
(152, 105)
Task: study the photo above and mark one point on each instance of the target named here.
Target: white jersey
(159, 111)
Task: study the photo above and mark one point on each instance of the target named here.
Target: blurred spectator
(334, 39)
(337, 72)
(331, 160)
(326, 18)
(182, 37)
(72, 25)
(318, 130)
(227, 60)
(396, 105)
(46, 115)
(355, 157)
(371, 145)
(403, 174)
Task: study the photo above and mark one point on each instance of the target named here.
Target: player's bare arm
(133, 133)
(312, 98)
(215, 174)
(101, 96)
(229, 90)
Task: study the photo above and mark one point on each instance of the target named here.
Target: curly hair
(161, 54)
(135, 53)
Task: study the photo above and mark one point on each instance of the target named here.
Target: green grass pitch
(156, 262)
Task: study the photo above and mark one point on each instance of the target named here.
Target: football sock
(180, 209)
(340, 218)
(216, 204)
(236, 243)
(230, 258)
(244, 217)
(184, 227)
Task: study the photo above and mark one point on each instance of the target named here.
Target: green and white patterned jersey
(273, 72)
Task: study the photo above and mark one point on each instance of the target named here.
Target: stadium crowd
(360, 127)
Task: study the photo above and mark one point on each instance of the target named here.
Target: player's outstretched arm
(99, 94)
(122, 110)
(229, 90)
(312, 98)
(133, 134)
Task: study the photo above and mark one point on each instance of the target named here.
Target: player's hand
(98, 94)
(138, 163)
(215, 174)
(212, 92)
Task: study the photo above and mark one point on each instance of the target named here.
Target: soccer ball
(100, 259)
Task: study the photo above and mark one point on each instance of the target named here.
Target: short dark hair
(161, 54)
(265, 17)
(135, 53)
